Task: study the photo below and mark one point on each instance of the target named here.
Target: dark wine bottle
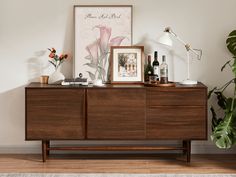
(148, 70)
(155, 65)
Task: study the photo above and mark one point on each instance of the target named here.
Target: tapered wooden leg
(188, 151)
(48, 146)
(44, 150)
(185, 148)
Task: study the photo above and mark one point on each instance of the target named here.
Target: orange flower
(53, 50)
(52, 55)
(61, 57)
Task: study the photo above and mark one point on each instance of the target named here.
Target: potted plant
(224, 128)
(56, 61)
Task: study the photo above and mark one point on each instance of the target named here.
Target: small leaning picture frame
(126, 64)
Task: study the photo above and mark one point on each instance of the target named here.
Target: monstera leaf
(231, 42)
(223, 134)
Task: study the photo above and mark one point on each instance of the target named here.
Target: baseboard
(19, 150)
(211, 149)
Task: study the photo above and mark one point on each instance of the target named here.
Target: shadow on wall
(68, 45)
(152, 45)
(145, 42)
(37, 66)
(12, 103)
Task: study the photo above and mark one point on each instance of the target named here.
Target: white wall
(28, 27)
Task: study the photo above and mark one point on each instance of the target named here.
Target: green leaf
(210, 92)
(91, 75)
(231, 42)
(223, 67)
(234, 67)
(221, 100)
(228, 105)
(52, 63)
(214, 120)
(224, 133)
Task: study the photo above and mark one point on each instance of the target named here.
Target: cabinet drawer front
(170, 122)
(55, 114)
(116, 114)
(185, 97)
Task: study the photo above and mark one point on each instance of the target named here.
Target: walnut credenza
(116, 112)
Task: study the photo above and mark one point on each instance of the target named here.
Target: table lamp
(166, 40)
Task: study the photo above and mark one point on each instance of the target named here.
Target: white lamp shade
(165, 39)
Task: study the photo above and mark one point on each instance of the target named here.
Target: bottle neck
(163, 59)
(155, 55)
(149, 60)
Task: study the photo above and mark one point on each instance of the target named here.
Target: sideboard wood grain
(116, 114)
(55, 114)
(173, 122)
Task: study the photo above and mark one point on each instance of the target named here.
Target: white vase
(56, 77)
(98, 82)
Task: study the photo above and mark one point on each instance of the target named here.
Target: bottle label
(155, 68)
(164, 73)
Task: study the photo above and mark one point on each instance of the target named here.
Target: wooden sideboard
(115, 112)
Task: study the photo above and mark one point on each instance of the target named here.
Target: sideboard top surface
(178, 86)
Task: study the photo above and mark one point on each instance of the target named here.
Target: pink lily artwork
(99, 51)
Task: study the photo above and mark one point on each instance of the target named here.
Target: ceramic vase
(56, 77)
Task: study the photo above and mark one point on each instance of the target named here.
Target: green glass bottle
(148, 70)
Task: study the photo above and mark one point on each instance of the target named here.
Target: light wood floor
(118, 164)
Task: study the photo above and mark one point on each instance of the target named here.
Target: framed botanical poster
(127, 64)
(97, 28)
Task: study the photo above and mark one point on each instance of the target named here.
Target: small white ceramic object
(98, 82)
(56, 77)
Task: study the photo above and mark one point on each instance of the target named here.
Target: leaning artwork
(97, 28)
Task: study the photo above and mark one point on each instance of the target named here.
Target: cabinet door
(176, 114)
(116, 113)
(55, 114)
(171, 122)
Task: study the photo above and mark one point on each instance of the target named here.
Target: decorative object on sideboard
(165, 39)
(164, 71)
(76, 81)
(148, 71)
(56, 61)
(224, 129)
(127, 64)
(155, 65)
(44, 79)
(97, 27)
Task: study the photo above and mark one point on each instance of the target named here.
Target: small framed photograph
(127, 64)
